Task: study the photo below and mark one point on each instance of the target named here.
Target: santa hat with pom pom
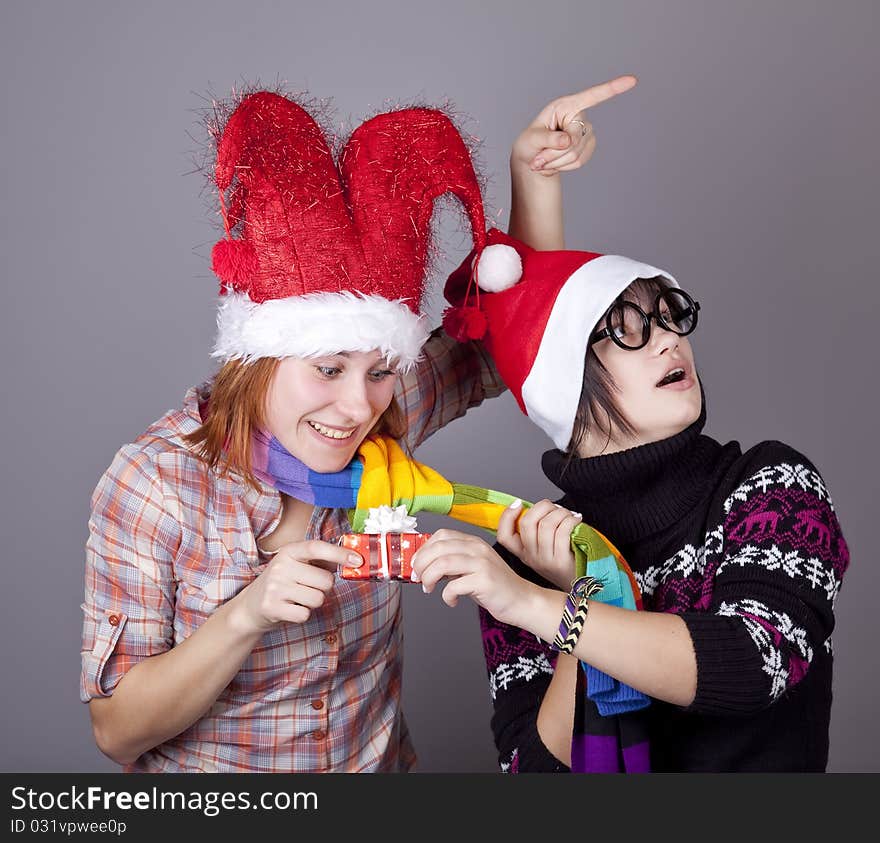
(534, 312)
(318, 258)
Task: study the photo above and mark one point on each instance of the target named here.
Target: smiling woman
(216, 636)
(321, 409)
(267, 393)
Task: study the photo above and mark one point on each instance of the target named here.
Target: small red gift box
(387, 556)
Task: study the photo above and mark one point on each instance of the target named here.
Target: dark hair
(597, 409)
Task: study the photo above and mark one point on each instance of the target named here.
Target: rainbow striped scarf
(383, 474)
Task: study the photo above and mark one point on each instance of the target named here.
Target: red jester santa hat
(320, 258)
(535, 312)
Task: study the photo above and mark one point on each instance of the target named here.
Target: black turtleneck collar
(636, 493)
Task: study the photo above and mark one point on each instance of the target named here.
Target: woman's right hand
(561, 137)
(292, 585)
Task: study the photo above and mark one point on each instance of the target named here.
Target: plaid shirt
(170, 541)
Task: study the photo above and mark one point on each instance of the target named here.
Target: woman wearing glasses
(736, 556)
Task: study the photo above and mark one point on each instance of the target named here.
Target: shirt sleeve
(129, 594)
(520, 668)
(780, 560)
(450, 378)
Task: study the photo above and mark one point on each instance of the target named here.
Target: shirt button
(113, 620)
(331, 638)
(317, 704)
(319, 735)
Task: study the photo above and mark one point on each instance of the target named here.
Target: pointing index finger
(606, 91)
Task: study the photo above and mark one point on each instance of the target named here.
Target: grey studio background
(745, 162)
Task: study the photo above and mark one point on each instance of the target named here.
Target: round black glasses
(629, 327)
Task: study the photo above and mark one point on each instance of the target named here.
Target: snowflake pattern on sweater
(780, 521)
(512, 658)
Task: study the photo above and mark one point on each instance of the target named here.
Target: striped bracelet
(577, 603)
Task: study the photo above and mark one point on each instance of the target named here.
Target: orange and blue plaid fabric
(170, 541)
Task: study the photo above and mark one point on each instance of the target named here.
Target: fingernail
(516, 503)
(538, 163)
(414, 577)
(577, 515)
(355, 559)
(425, 590)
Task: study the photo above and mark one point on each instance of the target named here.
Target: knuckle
(561, 520)
(282, 562)
(314, 548)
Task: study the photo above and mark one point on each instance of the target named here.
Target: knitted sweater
(747, 550)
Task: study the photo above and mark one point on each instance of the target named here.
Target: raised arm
(559, 139)
(453, 377)
(450, 378)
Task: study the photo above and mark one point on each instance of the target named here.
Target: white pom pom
(499, 268)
